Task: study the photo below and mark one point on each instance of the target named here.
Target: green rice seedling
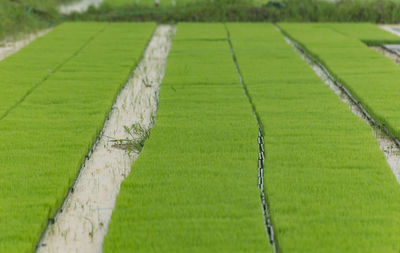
(329, 186)
(371, 77)
(44, 140)
(194, 186)
(23, 72)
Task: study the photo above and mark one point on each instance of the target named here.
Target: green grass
(329, 186)
(194, 186)
(370, 76)
(44, 140)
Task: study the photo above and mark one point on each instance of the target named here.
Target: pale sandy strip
(82, 225)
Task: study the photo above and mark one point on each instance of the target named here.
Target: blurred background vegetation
(28, 15)
(376, 11)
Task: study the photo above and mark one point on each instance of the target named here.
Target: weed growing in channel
(134, 143)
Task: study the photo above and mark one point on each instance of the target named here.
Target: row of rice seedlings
(194, 186)
(22, 72)
(44, 141)
(371, 77)
(329, 186)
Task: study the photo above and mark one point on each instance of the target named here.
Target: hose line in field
(261, 156)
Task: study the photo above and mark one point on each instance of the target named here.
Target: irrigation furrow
(388, 142)
(37, 85)
(260, 184)
(82, 222)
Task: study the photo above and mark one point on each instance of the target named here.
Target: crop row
(194, 186)
(371, 77)
(328, 184)
(22, 72)
(45, 138)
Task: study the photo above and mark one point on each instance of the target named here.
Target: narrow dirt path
(10, 46)
(386, 143)
(83, 222)
(79, 7)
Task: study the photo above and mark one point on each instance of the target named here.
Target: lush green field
(44, 140)
(329, 186)
(194, 186)
(371, 77)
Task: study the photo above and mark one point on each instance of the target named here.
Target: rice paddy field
(251, 149)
